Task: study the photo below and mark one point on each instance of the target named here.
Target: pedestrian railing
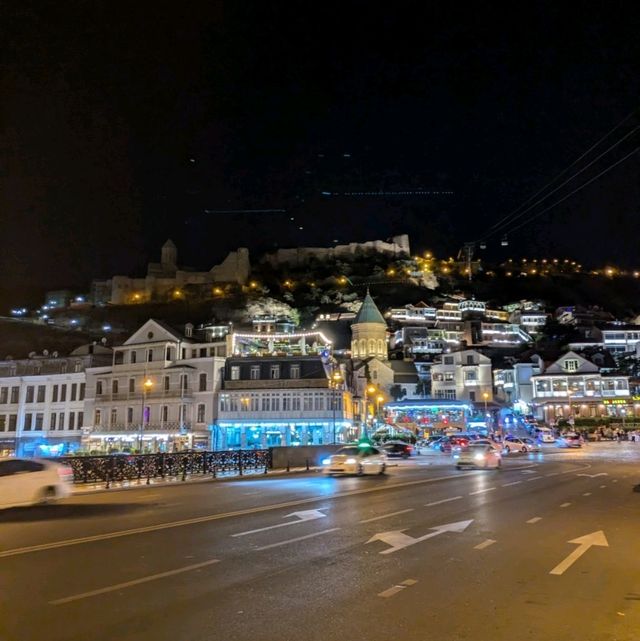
(129, 467)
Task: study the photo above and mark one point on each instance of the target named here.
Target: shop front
(429, 416)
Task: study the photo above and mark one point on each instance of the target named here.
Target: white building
(160, 393)
(621, 339)
(419, 313)
(42, 401)
(464, 375)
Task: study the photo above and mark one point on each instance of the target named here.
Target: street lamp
(485, 396)
(369, 389)
(146, 387)
(379, 399)
(336, 379)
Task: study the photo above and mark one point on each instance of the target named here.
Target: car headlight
(350, 461)
(478, 457)
(456, 456)
(326, 461)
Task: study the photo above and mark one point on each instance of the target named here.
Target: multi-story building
(160, 393)
(420, 313)
(42, 401)
(287, 400)
(512, 384)
(464, 375)
(621, 339)
(575, 386)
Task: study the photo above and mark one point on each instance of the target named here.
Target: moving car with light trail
(356, 459)
(31, 481)
(478, 455)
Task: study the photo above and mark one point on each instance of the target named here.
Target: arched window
(202, 384)
(363, 347)
(380, 346)
(372, 346)
(354, 348)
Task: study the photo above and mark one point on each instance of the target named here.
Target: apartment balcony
(170, 427)
(154, 394)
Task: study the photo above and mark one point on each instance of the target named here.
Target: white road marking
(614, 481)
(301, 517)
(553, 474)
(386, 516)
(391, 591)
(535, 478)
(527, 472)
(298, 538)
(129, 584)
(587, 494)
(487, 489)
(409, 582)
(512, 483)
(452, 498)
(484, 544)
(398, 540)
(565, 505)
(593, 476)
(602, 486)
(535, 519)
(584, 543)
(223, 515)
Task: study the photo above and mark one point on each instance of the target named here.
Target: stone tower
(169, 256)
(369, 332)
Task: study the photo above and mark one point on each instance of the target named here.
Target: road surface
(547, 548)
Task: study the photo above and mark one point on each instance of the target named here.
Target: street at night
(539, 549)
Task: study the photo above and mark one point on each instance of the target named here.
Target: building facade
(464, 375)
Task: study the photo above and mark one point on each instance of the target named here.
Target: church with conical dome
(369, 332)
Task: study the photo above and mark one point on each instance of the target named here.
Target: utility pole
(468, 250)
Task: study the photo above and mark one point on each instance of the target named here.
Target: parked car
(30, 481)
(356, 459)
(398, 448)
(514, 444)
(478, 455)
(570, 439)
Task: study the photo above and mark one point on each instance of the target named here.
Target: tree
(423, 388)
(397, 392)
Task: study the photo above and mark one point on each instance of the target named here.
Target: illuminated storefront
(424, 417)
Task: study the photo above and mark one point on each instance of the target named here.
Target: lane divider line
(129, 584)
(441, 501)
(602, 486)
(535, 519)
(534, 478)
(386, 516)
(397, 588)
(512, 483)
(484, 544)
(298, 538)
(565, 505)
(587, 494)
(487, 489)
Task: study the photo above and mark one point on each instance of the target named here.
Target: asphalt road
(547, 548)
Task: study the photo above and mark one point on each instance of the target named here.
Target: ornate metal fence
(96, 469)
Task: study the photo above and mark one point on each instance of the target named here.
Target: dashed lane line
(587, 494)
(535, 519)
(602, 486)
(565, 505)
(486, 489)
(534, 478)
(129, 584)
(297, 538)
(386, 516)
(484, 544)
(397, 588)
(441, 501)
(512, 483)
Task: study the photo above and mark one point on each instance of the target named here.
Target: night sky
(126, 124)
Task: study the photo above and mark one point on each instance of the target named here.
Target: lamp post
(379, 399)
(485, 396)
(146, 387)
(336, 379)
(369, 389)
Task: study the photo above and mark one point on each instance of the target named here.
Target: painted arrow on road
(301, 517)
(398, 540)
(583, 543)
(593, 476)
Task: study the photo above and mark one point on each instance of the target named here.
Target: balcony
(172, 393)
(171, 427)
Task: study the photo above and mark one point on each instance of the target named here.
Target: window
(275, 403)
(448, 360)
(255, 402)
(164, 413)
(132, 385)
(129, 415)
(450, 394)
(114, 386)
(74, 391)
(39, 420)
(63, 393)
(150, 356)
(202, 382)
(203, 352)
(438, 377)
(98, 418)
(15, 395)
(80, 419)
(61, 420)
(318, 402)
(571, 364)
(13, 422)
(113, 419)
(52, 421)
(200, 414)
(72, 420)
(28, 421)
(470, 359)
(235, 372)
(54, 396)
(166, 383)
(4, 395)
(275, 371)
(307, 402)
(184, 382)
(266, 403)
(471, 375)
(448, 376)
(3, 422)
(255, 372)
(295, 403)
(294, 371)
(98, 387)
(29, 398)
(286, 402)
(41, 392)
(472, 397)
(134, 356)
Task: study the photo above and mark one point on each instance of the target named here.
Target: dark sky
(123, 124)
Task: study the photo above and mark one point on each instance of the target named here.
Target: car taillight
(65, 473)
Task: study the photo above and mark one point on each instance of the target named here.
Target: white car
(356, 459)
(532, 445)
(514, 444)
(28, 481)
(479, 455)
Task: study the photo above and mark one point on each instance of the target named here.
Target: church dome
(369, 313)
